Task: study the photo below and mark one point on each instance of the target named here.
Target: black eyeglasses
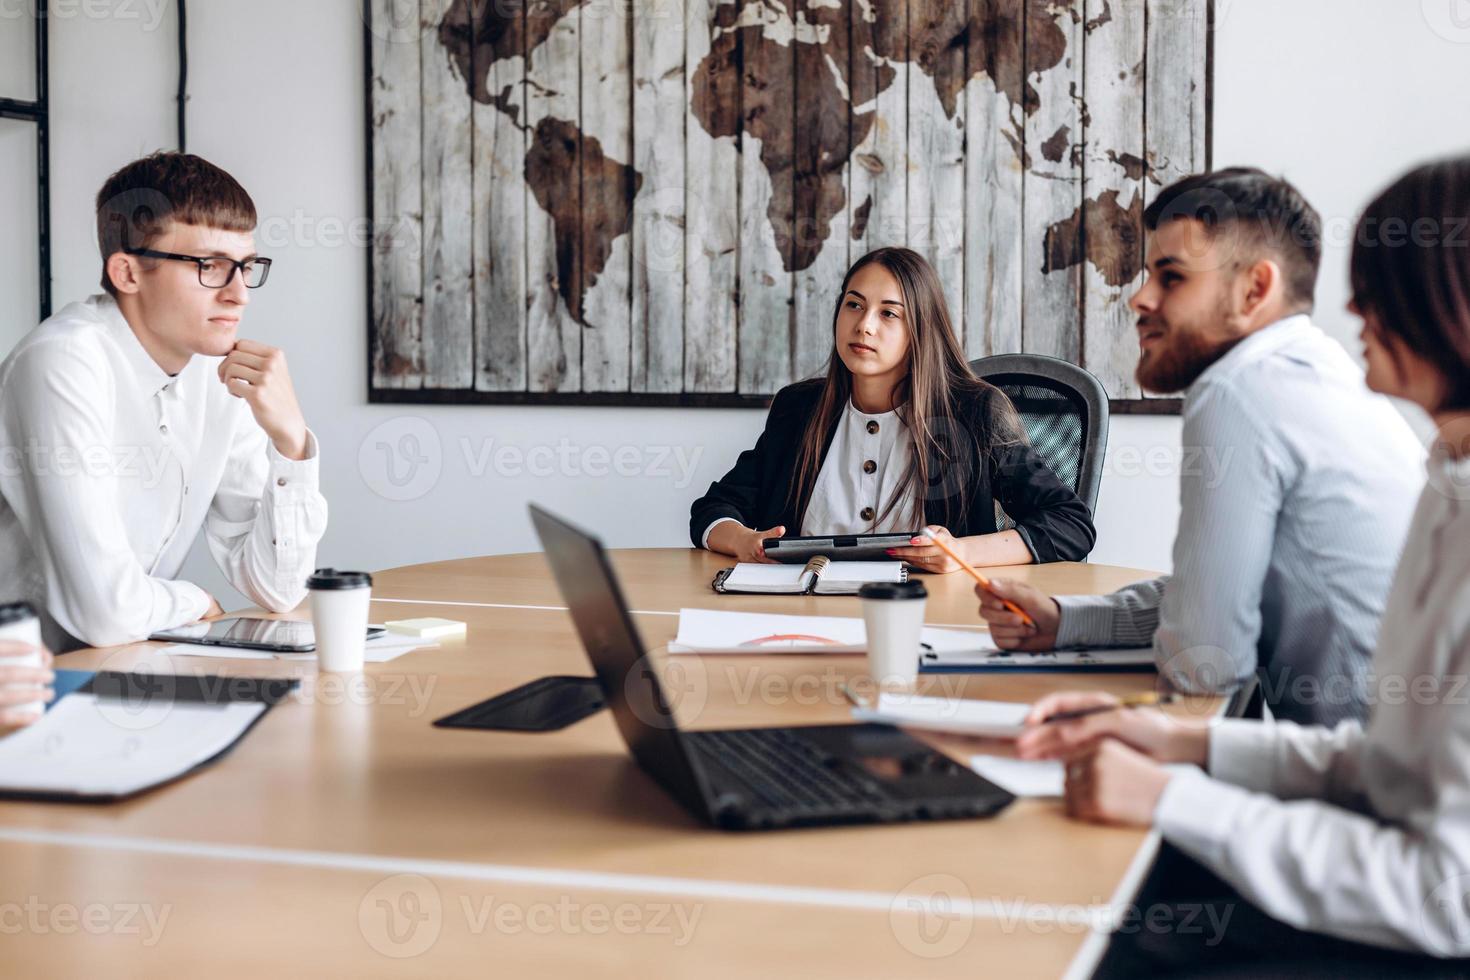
(217, 271)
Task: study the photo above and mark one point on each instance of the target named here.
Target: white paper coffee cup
(893, 615)
(20, 624)
(339, 613)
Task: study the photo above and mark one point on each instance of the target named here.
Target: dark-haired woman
(1354, 842)
(898, 436)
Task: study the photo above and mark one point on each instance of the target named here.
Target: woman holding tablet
(1349, 847)
(898, 436)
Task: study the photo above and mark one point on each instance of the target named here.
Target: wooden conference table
(346, 834)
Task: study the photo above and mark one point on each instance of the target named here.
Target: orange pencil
(984, 582)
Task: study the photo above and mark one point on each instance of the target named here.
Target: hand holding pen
(1064, 724)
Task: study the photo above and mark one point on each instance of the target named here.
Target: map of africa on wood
(655, 201)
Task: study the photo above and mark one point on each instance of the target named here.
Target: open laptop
(750, 778)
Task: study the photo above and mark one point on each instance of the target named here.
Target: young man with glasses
(131, 420)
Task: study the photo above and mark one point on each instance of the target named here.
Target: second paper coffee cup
(893, 614)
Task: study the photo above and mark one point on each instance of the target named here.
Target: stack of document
(994, 658)
(378, 650)
(714, 631)
(817, 577)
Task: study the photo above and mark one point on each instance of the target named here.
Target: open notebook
(820, 576)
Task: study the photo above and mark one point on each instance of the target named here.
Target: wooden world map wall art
(654, 201)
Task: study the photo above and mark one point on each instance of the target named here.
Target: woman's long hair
(936, 400)
(1415, 278)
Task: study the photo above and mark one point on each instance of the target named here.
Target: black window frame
(38, 112)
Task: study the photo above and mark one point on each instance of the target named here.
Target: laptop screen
(629, 681)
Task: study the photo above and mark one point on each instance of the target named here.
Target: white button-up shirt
(1361, 834)
(109, 467)
(862, 473)
(850, 495)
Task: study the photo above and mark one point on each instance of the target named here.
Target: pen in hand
(1150, 699)
(984, 582)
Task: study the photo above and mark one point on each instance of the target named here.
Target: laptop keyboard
(785, 770)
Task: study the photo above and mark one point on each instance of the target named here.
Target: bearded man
(1297, 483)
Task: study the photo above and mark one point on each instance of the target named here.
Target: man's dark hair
(1265, 213)
(136, 204)
(1411, 269)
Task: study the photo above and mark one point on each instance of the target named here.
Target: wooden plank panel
(823, 148)
(867, 75)
(1176, 124)
(659, 114)
(1176, 121)
(607, 195)
(1112, 217)
(767, 194)
(448, 329)
(536, 233)
(1051, 265)
(936, 143)
(712, 204)
(884, 154)
(397, 196)
(993, 179)
(500, 218)
(554, 201)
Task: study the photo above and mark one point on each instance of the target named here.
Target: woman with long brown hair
(898, 436)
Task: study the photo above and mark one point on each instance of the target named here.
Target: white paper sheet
(749, 576)
(962, 716)
(101, 746)
(717, 631)
(1038, 778)
(1022, 777)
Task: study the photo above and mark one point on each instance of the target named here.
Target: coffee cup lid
(893, 590)
(15, 612)
(331, 578)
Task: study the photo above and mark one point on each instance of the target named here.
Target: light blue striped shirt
(1296, 492)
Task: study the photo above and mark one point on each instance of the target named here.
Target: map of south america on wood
(655, 201)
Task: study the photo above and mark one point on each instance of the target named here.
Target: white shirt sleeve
(704, 541)
(1289, 761)
(1322, 866)
(64, 496)
(1326, 869)
(266, 519)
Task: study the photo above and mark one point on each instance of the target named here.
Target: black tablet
(838, 547)
(276, 635)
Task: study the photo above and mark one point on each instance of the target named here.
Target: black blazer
(1054, 522)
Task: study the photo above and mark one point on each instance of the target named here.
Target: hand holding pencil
(980, 580)
(1020, 617)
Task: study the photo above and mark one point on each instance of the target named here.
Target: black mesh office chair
(1065, 412)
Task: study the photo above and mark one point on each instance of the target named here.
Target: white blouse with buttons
(863, 472)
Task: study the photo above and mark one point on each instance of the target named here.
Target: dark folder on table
(112, 735)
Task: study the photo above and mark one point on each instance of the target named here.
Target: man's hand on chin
(257, 373)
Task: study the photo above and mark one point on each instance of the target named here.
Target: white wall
(1337, 94)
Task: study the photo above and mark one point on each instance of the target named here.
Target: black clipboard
(145, 689)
